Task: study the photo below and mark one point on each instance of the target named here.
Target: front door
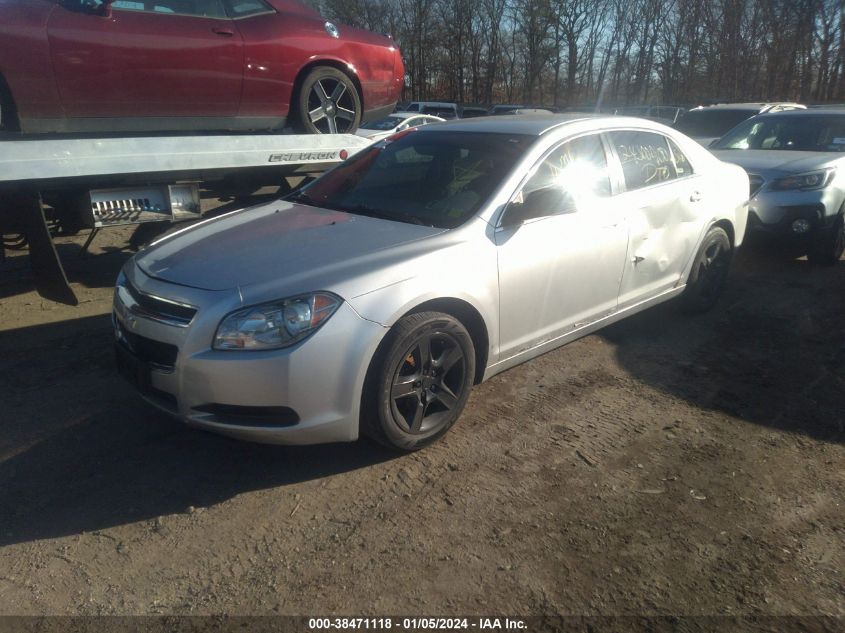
(562, 270)
(148, 58)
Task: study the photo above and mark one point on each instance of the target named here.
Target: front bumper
(305, 394)
(775, 212)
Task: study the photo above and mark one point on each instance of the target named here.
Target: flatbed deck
(66, 169)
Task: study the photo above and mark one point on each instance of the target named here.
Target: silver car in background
(396, 122)
(796, 165)
(374, 298)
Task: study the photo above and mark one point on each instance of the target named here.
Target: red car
(179, 65)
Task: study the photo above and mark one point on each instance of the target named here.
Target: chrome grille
(755, 181)
(154, 308)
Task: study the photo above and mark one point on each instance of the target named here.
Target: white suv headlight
(275, 324)
(804, 182)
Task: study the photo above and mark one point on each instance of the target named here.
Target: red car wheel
(328, 103)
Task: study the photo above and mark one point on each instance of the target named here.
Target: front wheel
(328, 103)
(829, 245)
(419, 382)
(709, 272)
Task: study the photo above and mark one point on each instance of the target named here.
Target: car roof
(528, 124)
(751, 107)
(805, 113)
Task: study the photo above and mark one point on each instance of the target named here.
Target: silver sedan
(374, 298)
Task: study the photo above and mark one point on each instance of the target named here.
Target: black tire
(6, 111)
(9, 123)
(709, 272)
(829, 245)
(327, 103)
(412, 397)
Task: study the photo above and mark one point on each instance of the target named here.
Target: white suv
(705, 124)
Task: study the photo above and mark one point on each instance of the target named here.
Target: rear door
(149, 58)
(665, 199)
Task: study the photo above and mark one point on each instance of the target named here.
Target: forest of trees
(611, 52)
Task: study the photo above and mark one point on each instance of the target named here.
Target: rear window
(434, 178)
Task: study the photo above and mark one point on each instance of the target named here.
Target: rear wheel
(709, 272)
(829, 245)
(419, 381)
(328, 103)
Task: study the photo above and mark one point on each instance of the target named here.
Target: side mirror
(545, 201)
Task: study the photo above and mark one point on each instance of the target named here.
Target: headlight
(276, 324)
(804, 182)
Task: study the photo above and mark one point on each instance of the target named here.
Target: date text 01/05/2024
(414, 624)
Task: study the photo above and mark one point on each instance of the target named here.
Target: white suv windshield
(807, 133)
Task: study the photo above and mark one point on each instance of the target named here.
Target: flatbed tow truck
(70, 184)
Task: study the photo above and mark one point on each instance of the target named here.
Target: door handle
(224, 32)
(695, 196)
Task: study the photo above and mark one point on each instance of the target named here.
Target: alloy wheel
(331, 107)
(428, 383)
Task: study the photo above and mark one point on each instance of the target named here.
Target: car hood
(765, 161)
(294, 245)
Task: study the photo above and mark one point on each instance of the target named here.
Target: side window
(578, 168)
(199, 8)
(645, 157)
(246, 8)
(683, 168)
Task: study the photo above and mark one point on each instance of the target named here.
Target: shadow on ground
(771, 353)
(80, 451)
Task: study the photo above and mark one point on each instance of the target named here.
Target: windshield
(383, 124)
(806, 133)
(711, 123)
(433, 178)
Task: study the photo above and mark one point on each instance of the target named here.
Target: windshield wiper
(363, 209)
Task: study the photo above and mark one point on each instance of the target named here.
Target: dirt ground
(667, 465)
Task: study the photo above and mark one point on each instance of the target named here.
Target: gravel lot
(667, 465)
